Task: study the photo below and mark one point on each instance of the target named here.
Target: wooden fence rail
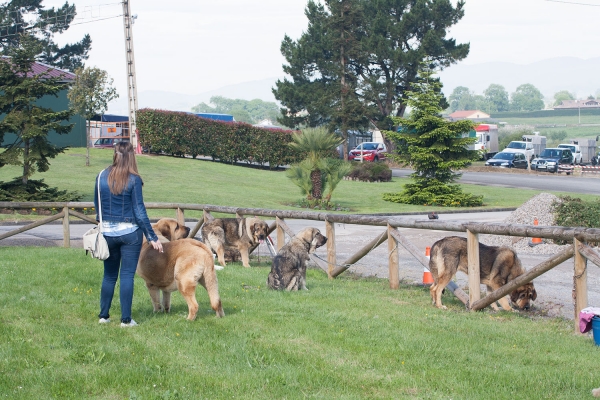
(581, 252)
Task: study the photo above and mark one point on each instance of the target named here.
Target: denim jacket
(125, 207)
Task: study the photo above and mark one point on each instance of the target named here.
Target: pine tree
(435, 148)
(20, 90)
(32, 19)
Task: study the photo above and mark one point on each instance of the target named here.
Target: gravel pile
(539, 207)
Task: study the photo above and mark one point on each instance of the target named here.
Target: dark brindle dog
(288, 270)
(239, 234)
(497, 266)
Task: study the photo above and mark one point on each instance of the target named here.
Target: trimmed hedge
(561, 112)
(180, 133)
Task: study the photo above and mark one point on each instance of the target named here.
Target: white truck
(575, 149)
(487, 140)
(517, 146)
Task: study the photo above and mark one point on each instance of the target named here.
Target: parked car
(577, 156)
(109, 143)
(507, 159)
(517, 146)
(551, 159)
(368, 151)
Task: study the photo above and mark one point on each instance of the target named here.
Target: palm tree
(315, 144)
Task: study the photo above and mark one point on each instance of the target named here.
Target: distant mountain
(184, 102)
(580, 77)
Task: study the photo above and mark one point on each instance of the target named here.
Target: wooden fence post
(331, 258)
(580, 295)
(394, 266)
(280, 234)
(66, 229)
(473, 261)
(180, 216)
(206, 215)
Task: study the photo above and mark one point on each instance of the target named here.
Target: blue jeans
(124, 253)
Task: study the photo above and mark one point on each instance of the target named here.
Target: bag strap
(100, 201)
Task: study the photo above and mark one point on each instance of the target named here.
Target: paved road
(562, 183)
(554, 287)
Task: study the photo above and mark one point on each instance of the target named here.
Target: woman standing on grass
(124, 223)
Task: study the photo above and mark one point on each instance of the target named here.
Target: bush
(572, 211)
(180, 134)
(371, 172)
(34, 191)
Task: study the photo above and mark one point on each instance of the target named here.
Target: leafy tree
(434, 148)
(29, 16)
(249, 111)
(20, 90)
(561, 96)
(462, 98)
(323, 66)
(316, 145)
(526, 98)
(358, 58)
(457, 96)
(496, 98)
(90, 95)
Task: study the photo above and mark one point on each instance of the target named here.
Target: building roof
(588, 103)
(39, 68)
(467, 114)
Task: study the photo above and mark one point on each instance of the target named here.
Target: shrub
(180, 134)
(572, 211)
(34, 190)
(371, 172)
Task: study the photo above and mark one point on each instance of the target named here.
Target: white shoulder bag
(93, 240)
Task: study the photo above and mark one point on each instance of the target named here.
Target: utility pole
(131, 85)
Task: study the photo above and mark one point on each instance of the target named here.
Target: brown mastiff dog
(288, 270)
(183, 264)
(238, 233)
(497, 266)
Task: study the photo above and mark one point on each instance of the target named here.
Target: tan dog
(497, 266)
(183, 264)
(238, 233)
(288, 270)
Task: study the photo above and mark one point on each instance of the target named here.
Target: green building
(77, 136)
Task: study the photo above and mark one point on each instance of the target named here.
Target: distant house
(468, 114)
(578, 104)
(77, 136)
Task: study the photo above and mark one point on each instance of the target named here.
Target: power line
(574, 3)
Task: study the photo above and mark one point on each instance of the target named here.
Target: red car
(368, 151)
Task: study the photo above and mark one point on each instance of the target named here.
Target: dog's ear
(514, 296)
(533, 294)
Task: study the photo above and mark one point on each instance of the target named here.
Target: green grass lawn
(177, 180)
(345, 339)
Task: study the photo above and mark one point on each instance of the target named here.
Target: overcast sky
(193, 46)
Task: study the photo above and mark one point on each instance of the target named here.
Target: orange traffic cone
(535, 241)
(427, 277)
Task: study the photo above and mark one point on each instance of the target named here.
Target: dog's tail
(211, 284)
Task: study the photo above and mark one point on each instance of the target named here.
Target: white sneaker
(104, 320)
(131, 323)
(218, 267)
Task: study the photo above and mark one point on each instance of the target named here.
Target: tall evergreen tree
(371, 50)
(324, 68)
(18, 17)
(435, 148)
(20, 89)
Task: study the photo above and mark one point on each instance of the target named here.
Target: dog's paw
(218, 267)
(596, 392)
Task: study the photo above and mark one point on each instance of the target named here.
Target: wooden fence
(580, 251)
